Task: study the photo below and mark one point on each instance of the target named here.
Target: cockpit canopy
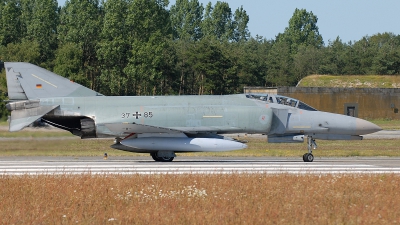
(280, 99)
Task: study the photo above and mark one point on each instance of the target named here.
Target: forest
(148, 47)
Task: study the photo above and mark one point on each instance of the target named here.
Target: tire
(154, 156)
(304, 157)
(161, 159)
(309, 157)
(166, 159)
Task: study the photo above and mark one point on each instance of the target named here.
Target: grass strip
(256, 147)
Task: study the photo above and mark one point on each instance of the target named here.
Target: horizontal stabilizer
(25, 117)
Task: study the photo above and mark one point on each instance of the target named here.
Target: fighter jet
(164, 125)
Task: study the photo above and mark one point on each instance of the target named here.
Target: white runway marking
(207, 166)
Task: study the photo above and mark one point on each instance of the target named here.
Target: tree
(147, 16)
(241, 31)
(80, 23)
(41, 27)
(302, 30)
(149, 67)
(26, 51)
(186, 17)
(332, 60)
(151, 31)
(3, 90)
(305, 62)
(114, 48)
(68, 63)
(365, 49)
(217, 21)
(186, 21)
(351, 60)
(280, 64)
(11, 24)
(252, 61)
(212, 70)
(386, 59)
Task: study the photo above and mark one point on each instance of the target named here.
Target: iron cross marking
(137, 115)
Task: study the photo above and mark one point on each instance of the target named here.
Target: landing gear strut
(308, 157)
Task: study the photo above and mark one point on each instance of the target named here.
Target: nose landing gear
(308, 157)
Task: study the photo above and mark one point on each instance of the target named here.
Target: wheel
(161, 159)
(308, 157)
(166, 159)
(304, 157)
(154, 156)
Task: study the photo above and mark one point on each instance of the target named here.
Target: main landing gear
(308, 157)
(162, 158)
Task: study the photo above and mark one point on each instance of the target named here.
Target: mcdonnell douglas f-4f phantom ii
(164, 125)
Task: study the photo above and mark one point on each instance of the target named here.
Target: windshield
(283, 100)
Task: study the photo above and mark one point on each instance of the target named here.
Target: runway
(196, 165)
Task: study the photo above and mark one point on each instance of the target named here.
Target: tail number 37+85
(137, 115)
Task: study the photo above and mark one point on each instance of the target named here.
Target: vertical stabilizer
(27, 81)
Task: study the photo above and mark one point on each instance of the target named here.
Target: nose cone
(365, 127)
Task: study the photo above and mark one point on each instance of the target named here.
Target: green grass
(357, 81)
(260, 147)
(387, 124)
(63, 147)
(31, 133)
(257, 147)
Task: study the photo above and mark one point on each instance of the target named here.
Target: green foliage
(240, 29)
(387, 59)
(140, 47)
(186, 18)
(355, 81)
(332, 60)
(3, 89)
(146, 17)
(11, 25)
(144, 68)
(68, 63)
(280, 65)
(218, 22)
(302, 30)
(41, 27)
(208, 61)
(251, 60)
(306, 61)
(114, 48)
(25, 51)
(80, 23)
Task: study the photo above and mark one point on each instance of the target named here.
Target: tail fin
(26, 81)
(27, 84)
